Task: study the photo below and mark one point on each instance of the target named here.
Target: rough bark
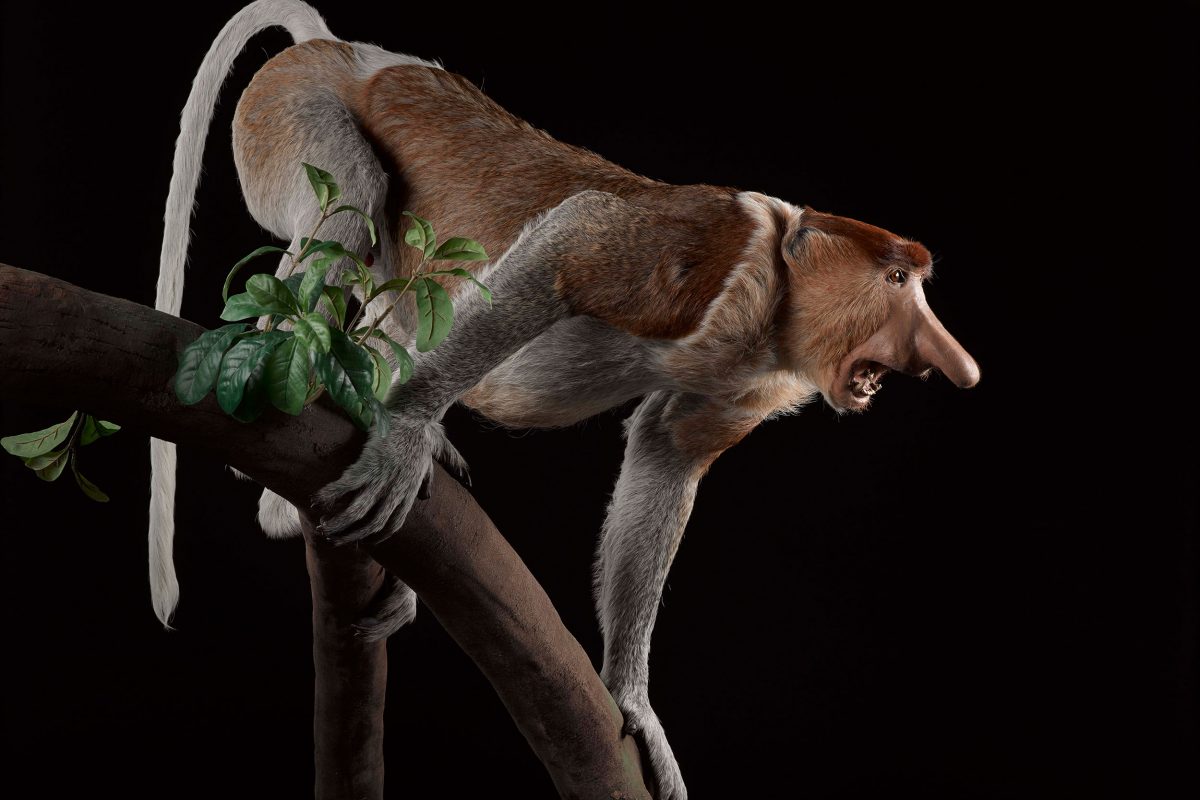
(64, 345)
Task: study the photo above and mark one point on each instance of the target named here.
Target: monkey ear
(796, 233)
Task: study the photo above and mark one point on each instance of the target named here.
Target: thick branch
(62, 344)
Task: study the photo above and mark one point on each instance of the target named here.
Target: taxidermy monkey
(608, 287)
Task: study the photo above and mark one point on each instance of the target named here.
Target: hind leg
(282, 199)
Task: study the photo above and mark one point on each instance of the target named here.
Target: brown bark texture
(63, 345)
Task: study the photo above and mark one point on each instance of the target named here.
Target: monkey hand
(373, 496)
(642, 723)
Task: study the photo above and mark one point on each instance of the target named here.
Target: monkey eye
(898, 277)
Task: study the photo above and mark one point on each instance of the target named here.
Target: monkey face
(858, 310)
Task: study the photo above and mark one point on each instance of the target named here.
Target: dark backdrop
(967, 594)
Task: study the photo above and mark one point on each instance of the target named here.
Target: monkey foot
(391, 609)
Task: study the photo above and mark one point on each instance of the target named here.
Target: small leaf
(89, 433)
(421, 235)
(254, 395)
(200, 362)
(328, 247)
(382, 379)
(404, 362)
(89, 488)
(435, 314)
(236, 267)
(239, 363)
(106, 428)
(313, 283)
(323, 185)
(27, 445)
(361, 213)
(52, 466)
(347, 371)
(243, 306)
(460, 248)
(272, 294)
(394, 285)
(287, 376)
(314, 331)
(334, 302)
(293, 281)
(463, 273)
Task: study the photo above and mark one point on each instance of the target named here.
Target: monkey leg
(373, 496)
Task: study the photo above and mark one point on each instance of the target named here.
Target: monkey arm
(373, 496)
(670, 441)
(62, 344)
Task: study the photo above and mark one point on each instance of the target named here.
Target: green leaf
(404, 362)
(236, 267)
(27, 445)
(463, 273)
(94, 429)
(394, 285)
(89, 433)
(361, 213)
(89, 488)
(272, 294)
(239, 363)
(347, 371)
(323, 185)
(50, 466)
(287, 376)
(200, 362)
(314, 331)
(421, 235)
(254, 395)
(334, 302)
(328, 247)
(435, 314)
(460, 248)
(382, 379)
(313, 283)
(243, 306)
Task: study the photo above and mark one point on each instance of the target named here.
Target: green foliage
(309, 343)
(48, 451)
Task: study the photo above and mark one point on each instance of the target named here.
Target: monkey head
(857, 310)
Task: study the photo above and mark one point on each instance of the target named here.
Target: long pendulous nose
(936, 348)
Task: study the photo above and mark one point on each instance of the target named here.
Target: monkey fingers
(643, 724)
(373, 496)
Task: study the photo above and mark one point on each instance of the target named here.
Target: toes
(392, 608)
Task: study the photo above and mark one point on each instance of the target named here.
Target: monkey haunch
(719, 307)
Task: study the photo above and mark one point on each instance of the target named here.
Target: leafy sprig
(309, 343)
(48, 452)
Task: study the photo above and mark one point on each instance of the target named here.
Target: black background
(966, 594)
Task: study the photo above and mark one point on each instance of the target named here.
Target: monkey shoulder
(653, 260)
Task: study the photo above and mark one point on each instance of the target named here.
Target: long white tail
(303, 22)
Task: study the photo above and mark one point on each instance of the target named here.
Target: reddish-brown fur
(502, 171)
(458, 159)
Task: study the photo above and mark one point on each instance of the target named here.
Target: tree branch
(117, 359)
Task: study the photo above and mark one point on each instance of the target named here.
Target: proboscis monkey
(719, 308)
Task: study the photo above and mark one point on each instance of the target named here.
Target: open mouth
(866, 378)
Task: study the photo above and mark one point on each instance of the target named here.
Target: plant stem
(411, 282)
